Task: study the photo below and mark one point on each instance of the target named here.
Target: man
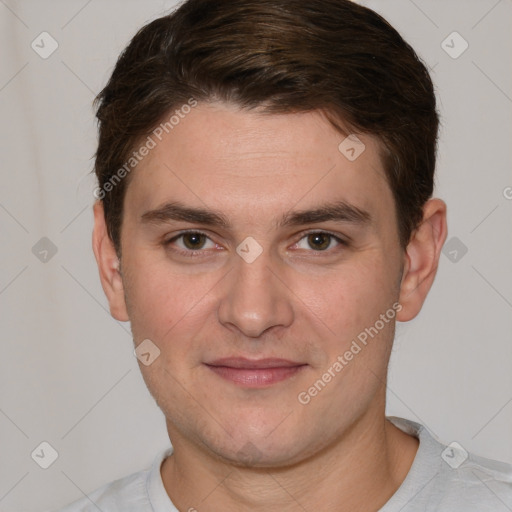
(264, 217)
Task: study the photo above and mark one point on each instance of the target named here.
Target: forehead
(230, 159)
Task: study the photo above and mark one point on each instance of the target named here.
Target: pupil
(319, 240)
(193, 240)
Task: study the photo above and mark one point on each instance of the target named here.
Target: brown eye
(319, 241)
(190, 243)
(194, 240)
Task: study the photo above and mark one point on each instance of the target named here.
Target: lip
(255, 373)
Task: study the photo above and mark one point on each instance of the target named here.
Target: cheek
(161, 301)
(350, 298)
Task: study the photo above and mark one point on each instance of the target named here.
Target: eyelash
(191, 253)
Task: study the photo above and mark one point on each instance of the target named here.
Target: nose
(255, 298)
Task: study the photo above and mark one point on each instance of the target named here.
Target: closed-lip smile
(254, 373)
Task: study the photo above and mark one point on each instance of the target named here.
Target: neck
(360, 471)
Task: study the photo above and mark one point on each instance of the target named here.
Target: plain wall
(67, 371)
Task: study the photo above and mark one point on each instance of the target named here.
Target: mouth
(255, 373)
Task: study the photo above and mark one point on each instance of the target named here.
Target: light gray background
(67, 371)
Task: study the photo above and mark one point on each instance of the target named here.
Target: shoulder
(127, 494)
(470, 480)
(449, 478)
(131, 493)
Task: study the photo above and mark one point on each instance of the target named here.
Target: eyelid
(330, 251)
(337, 236)
(168, 241)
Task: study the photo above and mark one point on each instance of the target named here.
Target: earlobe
(108, 265)
(422, 259)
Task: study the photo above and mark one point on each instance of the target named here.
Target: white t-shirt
(441, 479)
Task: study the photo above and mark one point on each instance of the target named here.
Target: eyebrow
(339, 211)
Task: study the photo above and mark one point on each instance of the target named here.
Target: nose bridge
(254, 299)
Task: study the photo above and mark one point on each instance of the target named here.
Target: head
(295, 143)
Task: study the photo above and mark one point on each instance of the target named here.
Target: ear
(108, 265)
(422, 258)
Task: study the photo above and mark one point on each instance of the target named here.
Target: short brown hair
(286, 56)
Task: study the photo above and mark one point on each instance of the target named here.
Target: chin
(263, 448)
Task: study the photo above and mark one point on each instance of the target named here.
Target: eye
(319, 241)
(190, 242)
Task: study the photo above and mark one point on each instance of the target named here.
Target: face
(252, 300)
